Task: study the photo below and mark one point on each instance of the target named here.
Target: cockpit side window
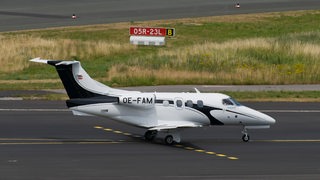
(227, 102)
(230, 102)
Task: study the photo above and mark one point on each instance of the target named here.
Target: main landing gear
(245, 136)
(150, 135)
(170, 137)
(169, 140)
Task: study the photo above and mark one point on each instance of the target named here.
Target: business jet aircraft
(157, 112)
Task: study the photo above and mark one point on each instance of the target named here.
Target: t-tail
(76, 80)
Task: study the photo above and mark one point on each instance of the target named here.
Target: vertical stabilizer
(75, 79)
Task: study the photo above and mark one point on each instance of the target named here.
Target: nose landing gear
(245, 136)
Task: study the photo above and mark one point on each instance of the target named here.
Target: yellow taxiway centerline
(56, 143)
(176, 145)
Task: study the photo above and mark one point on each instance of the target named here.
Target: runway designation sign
(147, 31)
(151, 31)
(150, 36)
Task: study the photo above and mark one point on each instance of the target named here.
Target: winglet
(39, 60)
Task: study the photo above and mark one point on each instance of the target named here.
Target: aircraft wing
(166, 125)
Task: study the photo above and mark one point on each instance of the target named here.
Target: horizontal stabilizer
(39, 60)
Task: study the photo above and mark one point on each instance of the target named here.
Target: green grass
(31, 86)
(305, 96)
(276, 96)
(272, 48)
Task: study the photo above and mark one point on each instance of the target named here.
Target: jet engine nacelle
(138, 101)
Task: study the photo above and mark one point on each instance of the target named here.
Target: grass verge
(270, 96)
(269, 48)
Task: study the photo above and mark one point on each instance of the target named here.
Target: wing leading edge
(167, 125)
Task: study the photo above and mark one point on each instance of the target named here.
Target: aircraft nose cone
(259, 116)
(267, 119)
(270, 120)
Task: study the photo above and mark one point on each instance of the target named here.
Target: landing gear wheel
(169, 140)
(150, 135)
(245, 137)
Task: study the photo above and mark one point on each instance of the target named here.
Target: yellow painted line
(178, 145)
(56, 143)
(112, 142)
(98, 127)
(54, 140)
(207, 152)
(292, 111)
(30, 143)
(233, 158)
(220, 155)
(138, 136)
(199, 150)
(189, 148)
(118, 132)
(290, 140)
(210, 152)
(25, 139)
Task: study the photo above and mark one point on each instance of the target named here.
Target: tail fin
(75, 79)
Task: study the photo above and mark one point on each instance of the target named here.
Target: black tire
(169, 140)
(150, 135)
(245, 138)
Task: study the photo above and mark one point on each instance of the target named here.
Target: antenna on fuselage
(197, 91)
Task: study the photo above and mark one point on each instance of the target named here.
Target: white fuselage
(153, 109)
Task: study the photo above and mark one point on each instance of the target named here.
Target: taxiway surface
(43, 140)
(34, 14)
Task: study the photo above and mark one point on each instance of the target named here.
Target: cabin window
(179, 103)
(200, 103)
(189, 103)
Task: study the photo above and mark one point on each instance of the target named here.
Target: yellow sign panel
(170, 32)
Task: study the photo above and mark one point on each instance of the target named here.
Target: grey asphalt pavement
(177, 88)
(43, 140)
(34, 14)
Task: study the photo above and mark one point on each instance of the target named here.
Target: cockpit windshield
(230, 102)
(235, 102)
